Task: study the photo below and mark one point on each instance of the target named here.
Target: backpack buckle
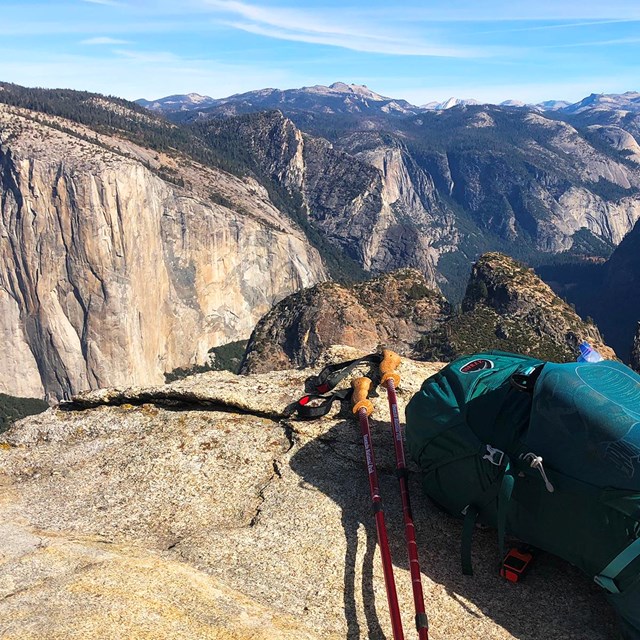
(606, 583)
(494, 456)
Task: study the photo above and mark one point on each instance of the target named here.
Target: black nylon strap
(319, 402)
(316, 405)
(468, 525)
(332, 374)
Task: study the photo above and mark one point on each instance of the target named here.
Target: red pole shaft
(422, 625)
(376, 501)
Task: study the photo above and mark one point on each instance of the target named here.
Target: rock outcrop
(112, 275)
(194, 510)
(508, 307)
(395, 310)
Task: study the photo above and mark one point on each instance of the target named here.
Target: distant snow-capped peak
(341, 88)
(448, 104)
(196, 98)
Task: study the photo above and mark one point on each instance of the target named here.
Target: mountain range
(340, 96)
(452, 182)
(229, 208)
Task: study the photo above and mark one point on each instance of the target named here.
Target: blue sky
(427, 50)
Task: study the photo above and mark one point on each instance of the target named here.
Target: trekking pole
(363, 408)
(390, 380)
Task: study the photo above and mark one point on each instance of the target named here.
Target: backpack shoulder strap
(506, 482)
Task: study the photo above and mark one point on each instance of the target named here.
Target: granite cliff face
(382, 212)
(522, 179)
(111, 275)
(196, 510)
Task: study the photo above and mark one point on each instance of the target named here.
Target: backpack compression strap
(506, 482)
(606, 578)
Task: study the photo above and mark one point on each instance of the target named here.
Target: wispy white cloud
(508, 10)
(153, 57)
(593, 43)
(107, 3)
(315, 27)
(367, 44)
(85, 27)
(309, 21)
(104, 40)
(559, 25)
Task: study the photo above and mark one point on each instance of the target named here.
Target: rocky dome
(506, 306)
(395, 309)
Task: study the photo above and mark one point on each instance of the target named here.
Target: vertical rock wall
(111, 276)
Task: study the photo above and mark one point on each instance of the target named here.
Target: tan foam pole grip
(390, 362)
(359, 398)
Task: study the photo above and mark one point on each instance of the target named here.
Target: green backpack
(546, 452)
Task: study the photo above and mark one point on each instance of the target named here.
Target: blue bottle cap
(585, 348)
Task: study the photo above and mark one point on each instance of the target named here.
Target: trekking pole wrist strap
(319, 402)
(308, 409)
(333, 374)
